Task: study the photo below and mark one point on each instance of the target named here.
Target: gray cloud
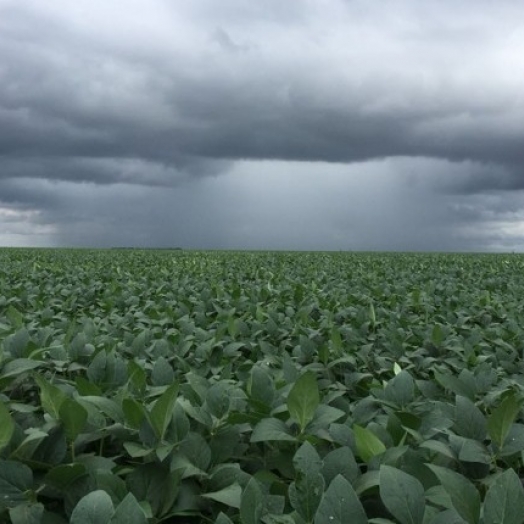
(164, 103)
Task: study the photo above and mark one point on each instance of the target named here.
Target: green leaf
(514, 442)
(15, 317)
(18, 366)
(439, 447)
(306, 491)
(95, 508)
(400, 389)
(218, 400)
(16, 480)
(403, 495)
(469, 420)
(340, 505)
(261, 387)
(502, 418)
(107, 406)
(129, 511)
(7, 426)
(368, 444)
(340, 461)
(134, 412)
(303, 399)
(62, 476)
(469, 450)
(30, 513)
(463, 494)
(324, 416)
(269, 429)
(162, 411)
(155, 483)
(504, 501)
(162, 373)
(223, 519)
(196, 448)
(230, 495)
(252, 503)
(73, 416)
(51, 397)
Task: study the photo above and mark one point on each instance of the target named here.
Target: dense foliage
(275, 388)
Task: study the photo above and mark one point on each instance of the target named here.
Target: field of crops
(278, 388)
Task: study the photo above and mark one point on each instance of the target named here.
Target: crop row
(172, 386)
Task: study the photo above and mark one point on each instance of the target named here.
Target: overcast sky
(297, 124)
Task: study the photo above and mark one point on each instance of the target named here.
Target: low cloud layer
(302, 125)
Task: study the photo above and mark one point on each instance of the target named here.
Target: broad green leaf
(107, 406)
(196, 448)
(51, 397)
(223, 519)
(217, 400)
(230, 495)
(305, 494)
(73, 416)
(324, 416)
(502, 418)
(7, 426)
(261, 386)
(400, 389)
(16, 480)
(340, 461)
(463, 494)
(94, 508)
(403, 495)
(162, 411)
(252, 503)
(156, 484)
(62, 476)
(15, 317)
(129, 511)
(134, 412)
(162, 373)
(504, 501)
(514, 442)
(307, 460)
(17, 343)
(368, 444)
(340, 505)
(303, 399)
(112, 484)
(469, 450)
(439, 447)
(454, 384)
(269, 429)
(469, 421)
(18, 366)
(306, 491)
(29, 513)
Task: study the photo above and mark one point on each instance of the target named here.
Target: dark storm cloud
(122, 113)
(262, 90)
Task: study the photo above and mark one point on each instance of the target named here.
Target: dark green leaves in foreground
(97, 508)
(260, 388)
(463, 495)
(403, 495)
(340, 505)
(504, 502)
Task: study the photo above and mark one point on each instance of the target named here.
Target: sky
(304, 124)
